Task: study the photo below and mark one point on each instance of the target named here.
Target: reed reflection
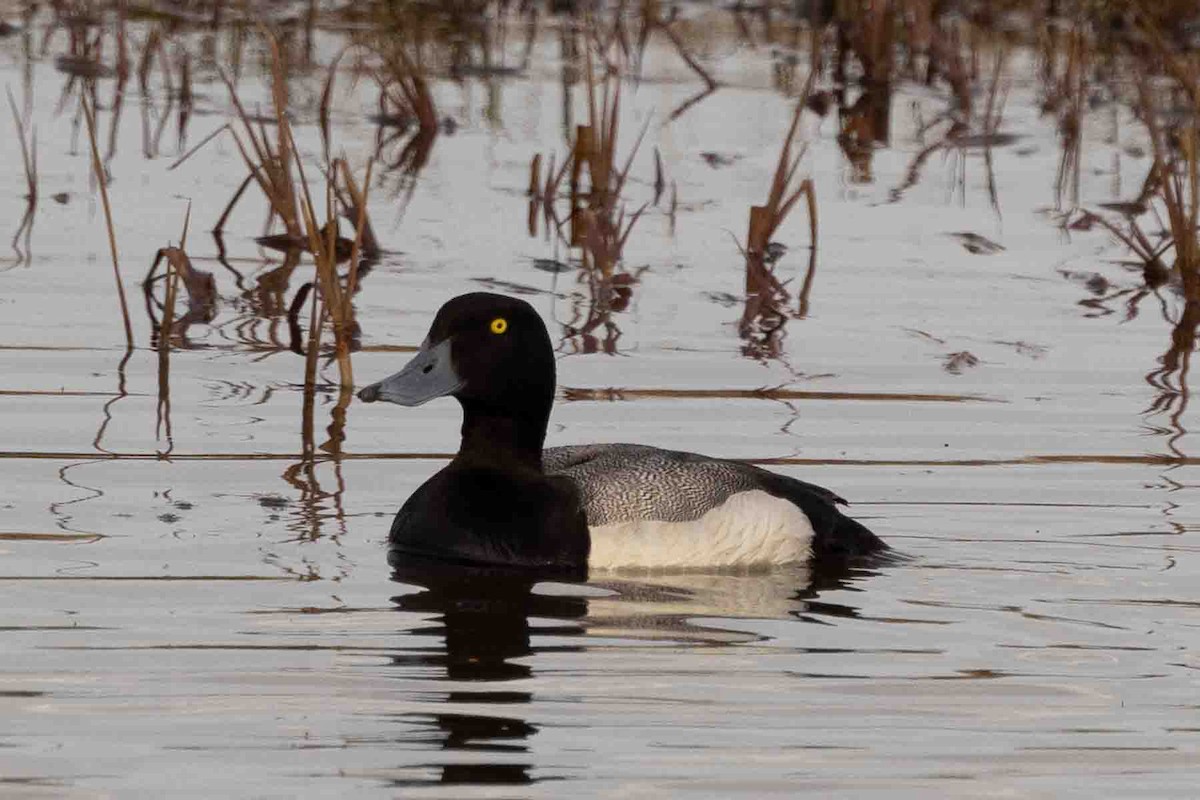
(591, 328)
(1170, 378)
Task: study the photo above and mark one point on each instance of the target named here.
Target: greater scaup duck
(504, 500)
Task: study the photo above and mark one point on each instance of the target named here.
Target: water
(201, 611)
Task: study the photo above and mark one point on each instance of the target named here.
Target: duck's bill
(430, 374)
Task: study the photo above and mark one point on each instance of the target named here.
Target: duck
(506, 500)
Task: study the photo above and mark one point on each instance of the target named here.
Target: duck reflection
(496, 630)
(485, 625)
(485, 616)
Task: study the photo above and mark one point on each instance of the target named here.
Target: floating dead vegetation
(1027, 349)
(74, 538)
(976, 244)
(956, 363)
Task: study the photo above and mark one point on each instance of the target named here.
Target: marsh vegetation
(941, 256)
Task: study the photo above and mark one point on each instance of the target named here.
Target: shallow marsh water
(207, 614)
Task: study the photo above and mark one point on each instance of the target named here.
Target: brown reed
(764, 291)
(270, 167)
(598, 223)
(29, 164)
(28, 152)
(1176, 152)
(102, 180)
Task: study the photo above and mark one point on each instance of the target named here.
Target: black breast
(485, 515)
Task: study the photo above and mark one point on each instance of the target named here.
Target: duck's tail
(836, 537)
(847, 539)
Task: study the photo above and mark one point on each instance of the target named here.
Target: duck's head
(489, 351)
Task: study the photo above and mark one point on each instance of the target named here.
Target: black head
(489, 351)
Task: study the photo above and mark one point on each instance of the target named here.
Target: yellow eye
(499, 325)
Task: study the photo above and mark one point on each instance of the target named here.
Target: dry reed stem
(178, 269)
(191, 152)
(175, 259)
(354, 203)
(535, 175)
(327, 99)
(270, 168)
(1179, 193)
(781, 197)
(764, 292)
(316, 321)
(28, 154)
(598, 217)
(98, 169)
(29, 164)
(680, 48)
(674, 206)
(407, 88)
(660, 181)
(334, 302)
(178, 266)
(1073, 88)
(993, 114)
(364, 238)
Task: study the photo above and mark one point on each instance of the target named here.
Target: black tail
(847, 539)
(836, 537)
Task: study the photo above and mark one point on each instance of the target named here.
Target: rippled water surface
(189, 606)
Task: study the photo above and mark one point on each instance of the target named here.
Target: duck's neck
(500, 437)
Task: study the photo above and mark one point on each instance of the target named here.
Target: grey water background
(205, 613)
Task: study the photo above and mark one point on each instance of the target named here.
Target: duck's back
(648, 507)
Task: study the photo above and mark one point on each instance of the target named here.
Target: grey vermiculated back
(622, 482)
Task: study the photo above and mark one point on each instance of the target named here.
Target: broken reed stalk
(177, 270)
(98, 169)
(765, 220)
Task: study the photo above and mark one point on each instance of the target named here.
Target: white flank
(749, 529)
